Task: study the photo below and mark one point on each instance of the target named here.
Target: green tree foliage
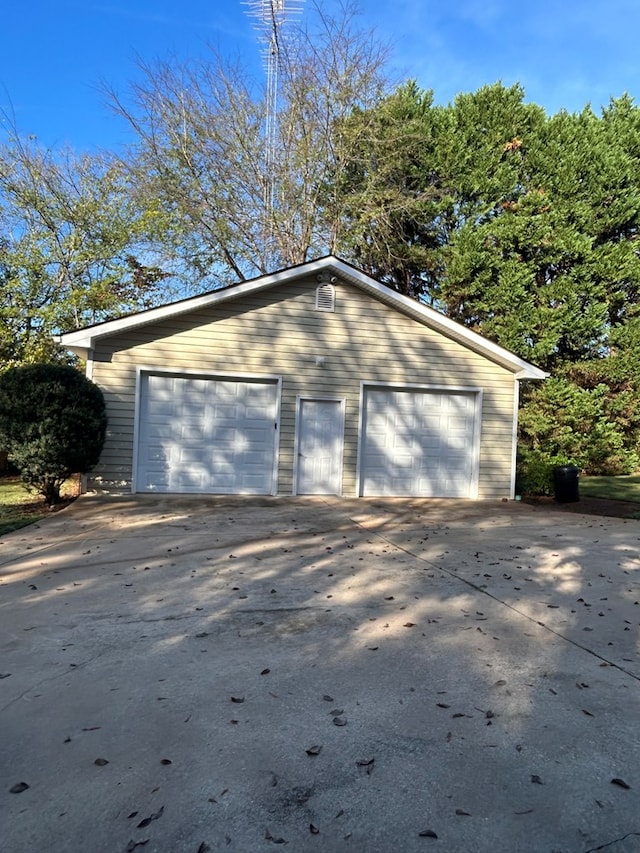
(562, 419)
(52, 423)
(520, 225)
(387, 196)
(71, 238)
(524, 228)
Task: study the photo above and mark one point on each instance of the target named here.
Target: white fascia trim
(85, 338)
(439, 322)
(514, 436)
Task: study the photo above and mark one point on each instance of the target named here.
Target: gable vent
(325, 297)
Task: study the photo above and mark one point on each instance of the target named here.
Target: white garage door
(206, 435)
(419, 443)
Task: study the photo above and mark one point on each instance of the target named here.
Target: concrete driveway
(195, 674)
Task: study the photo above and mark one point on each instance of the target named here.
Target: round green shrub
(52, 424)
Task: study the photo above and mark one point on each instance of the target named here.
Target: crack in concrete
(37, 550)
(177, 618)
(609, 843)
(53, 678)
(495, 598)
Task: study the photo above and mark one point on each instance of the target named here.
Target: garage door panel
(206, 435)
(155, 454)
(257, 412)
(155, 482)
(159, 430)
(418, 443)
(191, 432)
(162, 408)
(189, 481)
(222, 411)
(190, 455)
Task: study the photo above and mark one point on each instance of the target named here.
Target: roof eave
(84, 339)
(532, 372)
(193, 303)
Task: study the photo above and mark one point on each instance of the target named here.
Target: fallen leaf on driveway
(367, 764)
(313, 829)
(620, 783)
(237, 699)
(152, 817)
(4, 675)
(265, 671)
(339, 721)
(269, 837)
(427, 833)
(536, 779)
(409, 625)
(314, 750)
(442, 705)
(101, 762)
(462, 812)
(133, 844)
(204, 848)
(18, 788)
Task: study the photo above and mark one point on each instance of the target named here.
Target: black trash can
(565, 481)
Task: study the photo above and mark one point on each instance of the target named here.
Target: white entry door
(320, 440)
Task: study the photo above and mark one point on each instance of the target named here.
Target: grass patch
(19, 507)
(626, 488)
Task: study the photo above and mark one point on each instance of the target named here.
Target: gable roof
(82, 341)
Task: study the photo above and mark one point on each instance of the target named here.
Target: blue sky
(54, 53)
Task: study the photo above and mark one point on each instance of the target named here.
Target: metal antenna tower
(270, 19)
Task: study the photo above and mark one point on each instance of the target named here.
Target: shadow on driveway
(193, 674)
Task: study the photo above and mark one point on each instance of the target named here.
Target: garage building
(314, 380)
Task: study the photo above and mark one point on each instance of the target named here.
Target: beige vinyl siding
(279, 332)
